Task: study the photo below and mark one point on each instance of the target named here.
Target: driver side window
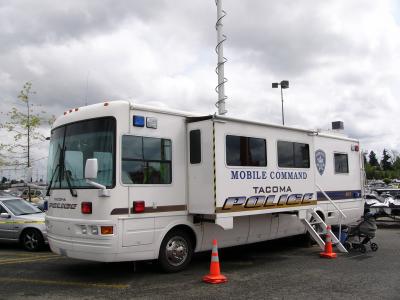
(2, 209)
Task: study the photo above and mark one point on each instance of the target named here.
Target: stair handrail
(338, 209)
(330, 200)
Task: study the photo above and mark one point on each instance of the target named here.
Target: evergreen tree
(396, 163)
(386, 162)
(373, 161)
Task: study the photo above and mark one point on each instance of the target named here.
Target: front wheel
(176, 251)
(347, 245)
(32, 240)
(374, 247)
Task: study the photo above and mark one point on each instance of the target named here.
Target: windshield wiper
(55, 170)
(61, 170)
(68, 178)
(51, 180)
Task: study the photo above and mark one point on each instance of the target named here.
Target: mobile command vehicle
(129, 182)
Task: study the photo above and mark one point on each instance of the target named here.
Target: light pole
(284, 85)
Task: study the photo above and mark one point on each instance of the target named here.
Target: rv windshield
(72, 144)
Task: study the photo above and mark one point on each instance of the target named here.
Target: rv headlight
(94, 230)
(83, 229)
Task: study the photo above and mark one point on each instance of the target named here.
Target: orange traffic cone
(215, 275)
(328, 253)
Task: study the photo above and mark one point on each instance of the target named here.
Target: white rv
(129, 182)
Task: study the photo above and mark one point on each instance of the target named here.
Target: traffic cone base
(215, 279)
(327, 255)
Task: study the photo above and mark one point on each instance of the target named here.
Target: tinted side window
(293, 155)
(195, 146)
(2, 209)
(245, 151)
(146, 160)
(341, 163)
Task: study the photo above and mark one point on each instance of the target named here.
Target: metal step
(315, 235)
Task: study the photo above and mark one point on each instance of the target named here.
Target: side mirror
(91, 168)
(4, 215)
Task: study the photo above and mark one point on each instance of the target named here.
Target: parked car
(36, 194)
(22, 222)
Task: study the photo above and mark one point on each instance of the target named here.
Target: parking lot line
(64, 283)
(27, 254)
(20, 260)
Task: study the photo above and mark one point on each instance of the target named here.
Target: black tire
(374, 247)
(32, 240)
(347, 245)
(362, 248)
(176, 251)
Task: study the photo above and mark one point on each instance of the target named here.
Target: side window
(245, 151)
(2, 209)
(293, 155)
(195, 146)
(146, 160)
(341, 163)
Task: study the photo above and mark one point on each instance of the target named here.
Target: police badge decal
(320, 161)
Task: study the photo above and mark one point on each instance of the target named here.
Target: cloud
(340, 57)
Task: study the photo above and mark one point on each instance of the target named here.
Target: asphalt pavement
(281, 269)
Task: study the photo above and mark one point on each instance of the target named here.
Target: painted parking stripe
(64, 283)
(27, 259)
(17, 254)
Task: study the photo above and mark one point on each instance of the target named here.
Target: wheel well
(321, 214)
(188, 230)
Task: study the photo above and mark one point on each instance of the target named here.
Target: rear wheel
(176, 251)
(32, 240)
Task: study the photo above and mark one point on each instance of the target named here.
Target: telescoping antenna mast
(220, 89)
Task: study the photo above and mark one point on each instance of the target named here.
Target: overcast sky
(340, 56)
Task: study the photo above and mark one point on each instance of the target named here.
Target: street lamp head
(285, 84)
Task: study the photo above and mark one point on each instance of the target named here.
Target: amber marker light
(107, 230)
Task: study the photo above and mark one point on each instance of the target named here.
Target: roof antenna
(219, 49)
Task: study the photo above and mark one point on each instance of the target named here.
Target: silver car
(22, 222)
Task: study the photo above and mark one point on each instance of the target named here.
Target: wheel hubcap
(177, 251)
(31, 240)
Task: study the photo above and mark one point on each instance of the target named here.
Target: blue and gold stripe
(339, 195)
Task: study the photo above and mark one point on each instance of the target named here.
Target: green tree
(387, 180)
(373, 161)
(396, 163)
(23, 125)
(386, 162)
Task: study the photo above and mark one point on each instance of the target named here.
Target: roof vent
(337, 125)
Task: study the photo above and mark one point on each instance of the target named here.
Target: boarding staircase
(316, 221)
